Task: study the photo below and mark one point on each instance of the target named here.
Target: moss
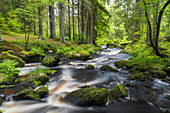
(158, 73)
(6, 55)
(28, 94)
(0, 100)
(117, 91)
(88, 96)
(138, 76)
(82, 55)
(42, 91)
(51, 61)
(90, 66)
(132, 85)
(106, 67)
(168, 69)
(167, 97)
(30, 57)
(120, 63)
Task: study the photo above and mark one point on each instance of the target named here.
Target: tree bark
(91, 34)
(78, 20)
(52, 21)
(82, 18)
(41, 36)
(48, 21)
(35, 33)
(69, 26)
(61, 22)
(73, 18)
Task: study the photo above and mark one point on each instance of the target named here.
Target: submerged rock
(107, 67)
(31, 57)
(90, 66)
(0, 100)
(120, 63)
(6, 55)
(117, 92)
(82, 55)
(51, 61)
(28, 94)
(42, 91)
(138, 76)
(158, 73)
(88, 96)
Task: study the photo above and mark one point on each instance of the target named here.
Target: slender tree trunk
(66, 33)
(82, 18)
(47, 21)
(87, 23)
(35, 33)
(41, 36)
(61, 22)
(91, 34)
(73, 18)
(155, 17)
(52, 21)
(148, 31)
(69, 23)
(78, 20)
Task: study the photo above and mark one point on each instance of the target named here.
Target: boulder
(6, 55)
(120, 63)
(90, 66)
(30, 57)
(42, 91)
(1, 100)
(168, 69)
(51, 61)
(28, 94)
(88, 96)
(138, 76)
(82, 55)
(106, 67)
(117, 92)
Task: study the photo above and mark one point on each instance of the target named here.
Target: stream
(149, 97)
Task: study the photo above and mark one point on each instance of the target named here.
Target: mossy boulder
(42, 91)
(112, 45)
(1, 100)
(88, 96)
(168, 69)
(82, 55)
(6, 55)
(117, 92)
(107, 67)
(138, 76)
(158, 73)
(51, 61)
(132, 85)
(120, 63)
(28, 94)
(31, 57)
(90, 66)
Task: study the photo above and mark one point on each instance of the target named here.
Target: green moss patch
(138, 76)
(28, 94)
(42, 91)
(88, 96)
(117, 91)
(6, 55)
(51, 61)
(90, 66)
(120, 63)
(82, 55)
(107, 67)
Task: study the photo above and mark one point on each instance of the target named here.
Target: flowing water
(71, 75)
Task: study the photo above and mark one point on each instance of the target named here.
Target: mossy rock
(28, 94)
(167, 97)
(90, 66)
(37, 79)
(51, 61)
(31, 57)
(120, 63)
(88, 96)
(6, 55)
(1, 100)
(107, 67)
(117, 92)
(158, 73)
(168, 69)
(138, 76)
(42, 91)
(132, 85)
(112, 45)
(82, 55)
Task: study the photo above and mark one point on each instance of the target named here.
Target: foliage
(8, 71)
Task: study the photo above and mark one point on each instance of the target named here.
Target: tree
(41, 35)
(61, 22)
(69, 26)
(158, 23)
(52, 20)
(73, 19)
(91, 34)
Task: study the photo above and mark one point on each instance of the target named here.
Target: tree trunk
(87, 23)
(148, 33)
(78, 21)
(61, 22)
(82, 18)
(91, 34)
(41, 36)
(35, 33)
(52, 21)
(47, 21)
(69, 26)
(155, 17)
(73, 18)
